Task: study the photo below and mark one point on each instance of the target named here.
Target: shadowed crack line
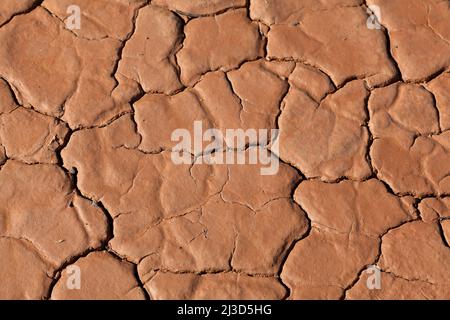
(23, 12)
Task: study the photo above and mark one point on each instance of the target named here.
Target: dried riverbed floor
(87, 180)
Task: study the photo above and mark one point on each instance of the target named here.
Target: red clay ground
(87, 179)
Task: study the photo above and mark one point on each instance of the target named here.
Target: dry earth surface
(86, 177)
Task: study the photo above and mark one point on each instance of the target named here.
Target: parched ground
(87, 180)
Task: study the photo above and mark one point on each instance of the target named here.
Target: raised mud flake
(163, 286)
(257, 191)
(350, 206)
(211, 103)
(409, 152)
(2, 154)
(31, 137)
(158, 116)
(260, 90)
(281, 68)
(200, 7)
(7, 100)
(266, 236)
(99, 97)
(25, 275)
(23, 61)
(149, 55)
(227, 109)
(310, 80)
(102, 276)
(9, 8)
(70, 79)
(327, 140)
(219, 101)
(37, 204)
(290, 11)
(440, 88)
(338, 42)
(416, 251)
(99, 19)
(420, 36)
(324, 263)
(25, 134)
(220, 42)
(432, 209)
(445, 225)
(346, 227)
(397, 288)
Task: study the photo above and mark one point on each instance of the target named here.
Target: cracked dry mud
(86, 177)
